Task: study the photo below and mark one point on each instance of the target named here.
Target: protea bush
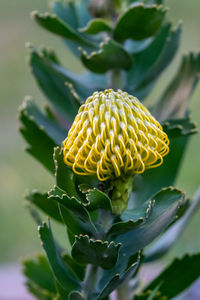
(114, 159)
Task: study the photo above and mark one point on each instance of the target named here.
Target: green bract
(127, 47)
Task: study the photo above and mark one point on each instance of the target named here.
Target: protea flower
(114, 136)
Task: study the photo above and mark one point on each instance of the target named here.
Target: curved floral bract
(113, 135)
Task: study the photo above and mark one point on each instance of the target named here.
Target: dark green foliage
(99, 253)
(76, 296)
(51, 79)
(149, 63)
(55, 25)
(151, 295)
(139, 22)
(62, 274)
(110, 55)
(180, 89)
(177, 276)
(40, 144)
(76, 268)
(128, 48)
(95, 26)
(42, 201)
(51, 127)
(118, 280)
(167, 240)
(73, 213)
(97, 199)
(75, 15)
(65, 178)
(165, 206)
(111, 280)
(123, 227)
(39, 276)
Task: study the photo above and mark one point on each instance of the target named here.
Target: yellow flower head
(114, 135)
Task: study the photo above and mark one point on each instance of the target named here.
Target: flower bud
(114, 135)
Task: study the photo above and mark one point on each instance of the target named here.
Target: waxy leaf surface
(139, 22)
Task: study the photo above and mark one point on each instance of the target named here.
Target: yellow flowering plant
(114, 136)
(114, 160)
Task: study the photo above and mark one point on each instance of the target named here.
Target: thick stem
(115, 79)
(90, 281)
(123, 292)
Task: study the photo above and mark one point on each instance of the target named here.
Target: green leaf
(134, 47)
(155, 292)
(41, 146)
(77, 269)
(158, 217)
(167, 240)
(176, 128)
(83, 12)
(151, 295)
(54, 130)
(178, 276)
(139, 22)
(38, 292)
(150, 62)
(118, 280)
(50, 54)
(61, 292)
(174, 102)
(59, 269)
(145, 60)
(96, 26)
(140, 212)
(76, 15)
(111, 55)
(37, 270)
(96, 252)
(55, 25)
(153, 180)
(48, 206)
(52, 78)
(98, 200)
(125, 268)
(166, 56)
(67, 12)
(73, 213)
(65, 178)
(84, 188)
(76, 296)
(166, 205)
(124, 227)
(76, 224)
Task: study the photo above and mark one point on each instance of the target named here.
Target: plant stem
(90, 281)
(123, 292)
(115, 79)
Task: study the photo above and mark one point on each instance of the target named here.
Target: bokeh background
(19, 171)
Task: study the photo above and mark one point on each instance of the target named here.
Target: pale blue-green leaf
(174, 102)
(167, 240)
(59, 269)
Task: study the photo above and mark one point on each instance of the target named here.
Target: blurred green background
(19, 171)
